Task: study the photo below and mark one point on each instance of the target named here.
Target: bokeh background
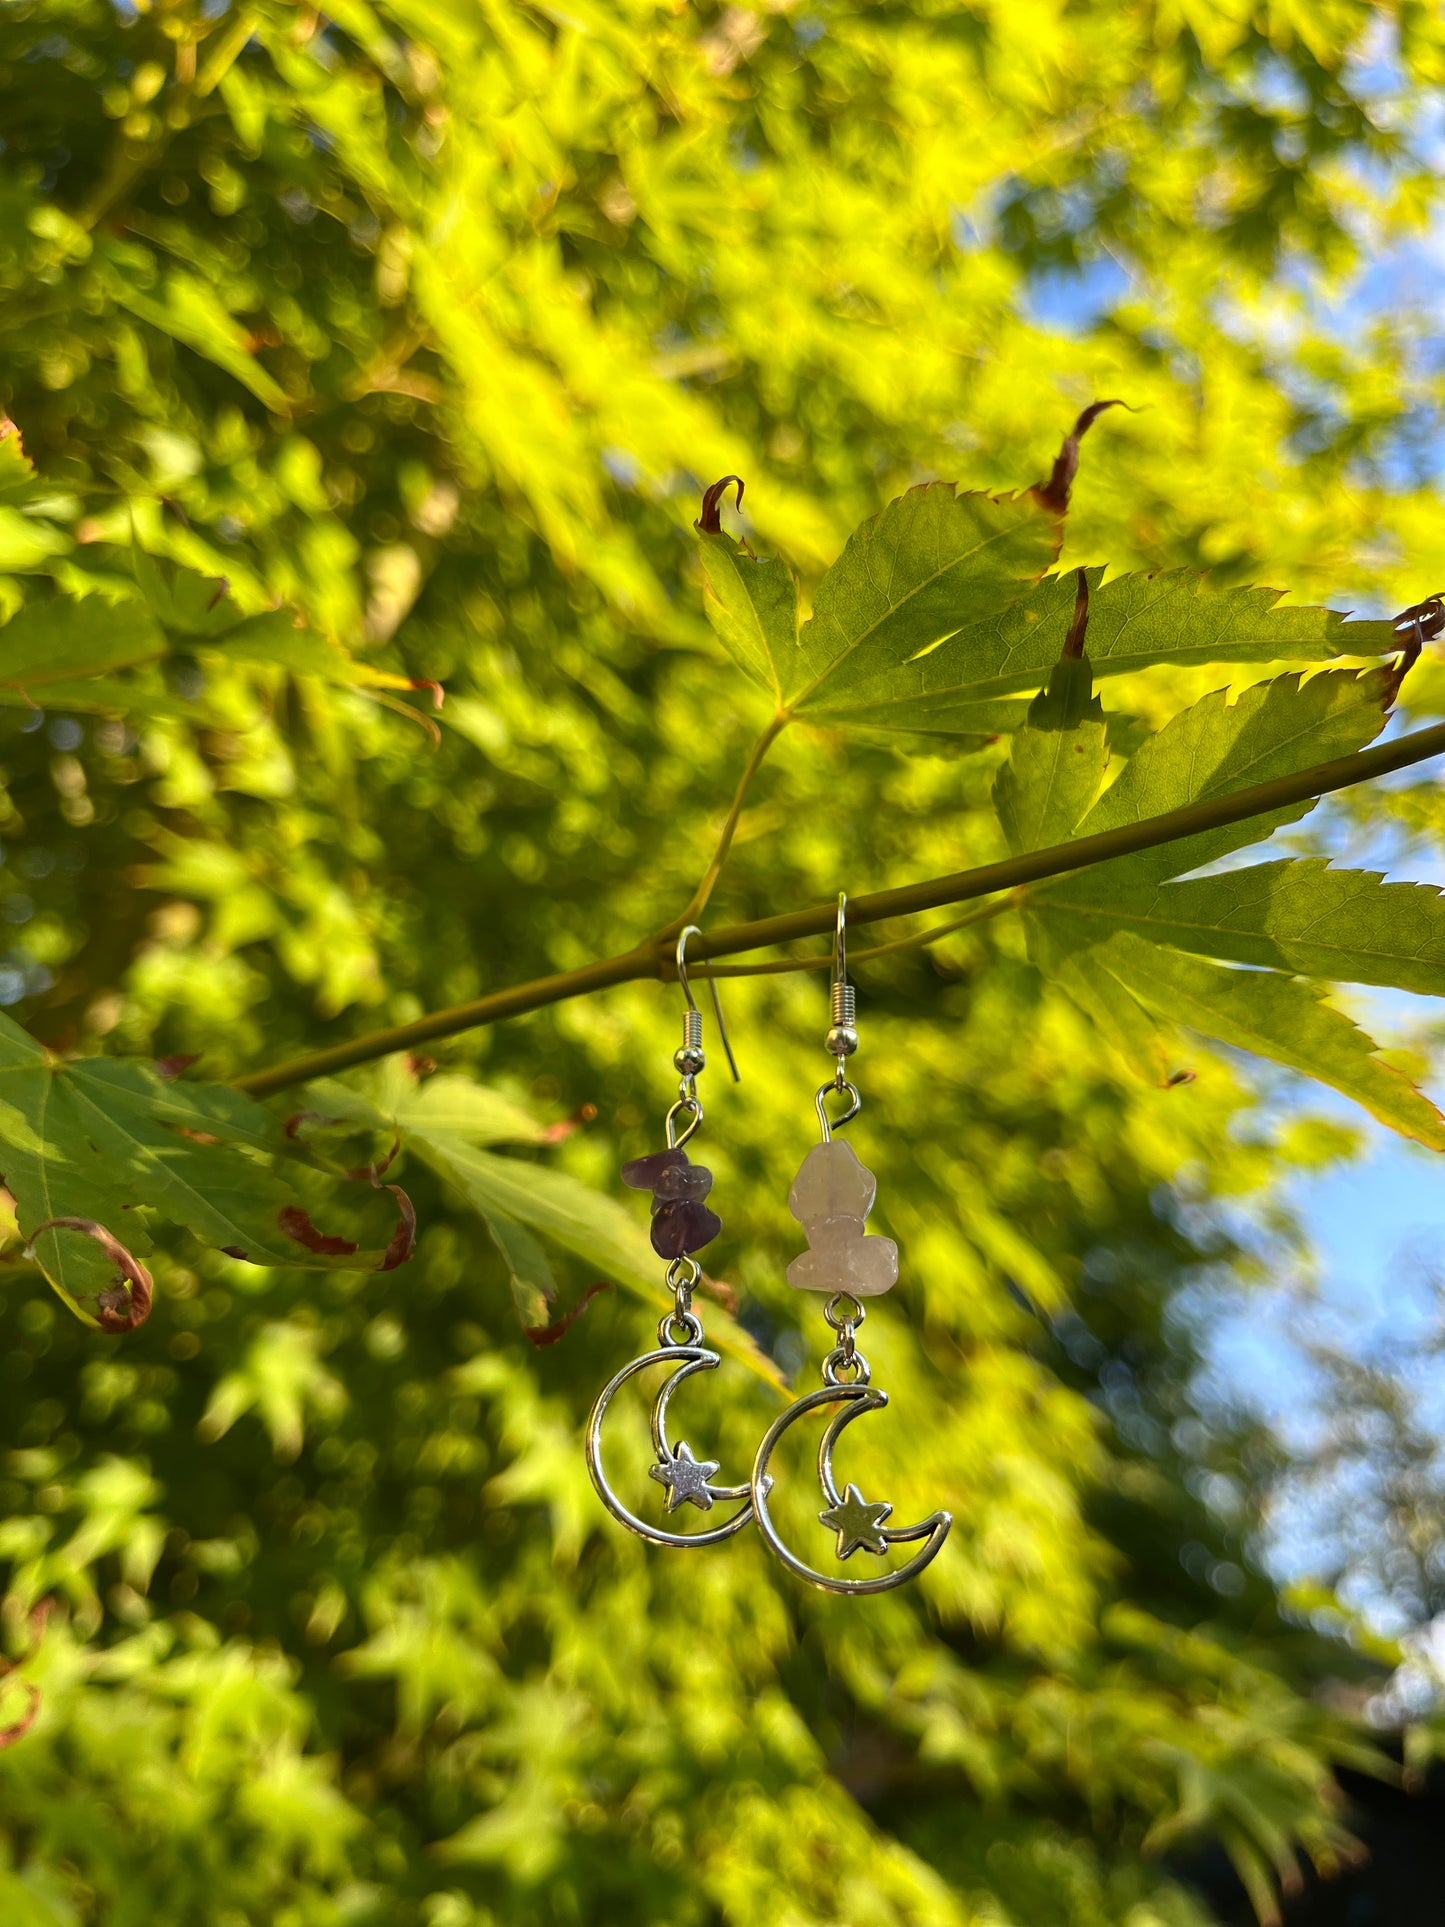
(435, 320)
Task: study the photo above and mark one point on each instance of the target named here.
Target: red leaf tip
(125, 1305)
(549, 1334)
(170, 1068)
(1054, 493)
(297, 1224)
(710, 521)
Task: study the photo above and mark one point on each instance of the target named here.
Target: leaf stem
(652, 957)
(704, 890)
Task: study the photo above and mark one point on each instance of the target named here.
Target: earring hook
(722, 1029)
(843, 1032)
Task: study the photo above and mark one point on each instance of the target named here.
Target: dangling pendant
(682, 1223)
(857, 1523)
(685, 1478)
(831, 1197)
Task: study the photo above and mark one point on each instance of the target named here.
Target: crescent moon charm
(859, 1525)
(688, 1480)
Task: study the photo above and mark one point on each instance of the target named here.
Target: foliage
(358, 355)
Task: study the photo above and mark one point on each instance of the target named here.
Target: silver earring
(682, 1223)
(831, 1197)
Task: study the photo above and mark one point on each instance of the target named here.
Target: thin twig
(653, 957)
(704, 889)
(824, 959)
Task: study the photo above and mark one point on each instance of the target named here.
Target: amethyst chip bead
(681, 1222)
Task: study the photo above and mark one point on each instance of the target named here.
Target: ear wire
(843, 1033)
(691, 1049)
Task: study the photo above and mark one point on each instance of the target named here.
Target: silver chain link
(683, 1277)
(844, 1313)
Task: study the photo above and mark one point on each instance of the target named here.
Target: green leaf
(105, 1139)
(1135, 621)
(1301, 916)
(276, 638)
(1131, 1030)
(753, 606)
(1274, 729)
(1276, 1017)
(71, 645)
(447, 1119)
(443, 1106)
(932, 560)
(593, 1227)
(1101, 931)
(29, 537)
(27, 542)
(200, 607)
(184, 601)
(283, 1380)
(961, 719)
(194, 314)
(1056, 762)
(139, 695)
(533, 1286)
(18, 485)
(438, 1117)
(55, 638)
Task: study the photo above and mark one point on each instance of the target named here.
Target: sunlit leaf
(533, 1286)
(1301, 916)
(1276, 1017)
(932, 559)
(447, 1120)
(753, 606)
(1135, 621)
(190, 312)
(109, 1141)
(1056, 762)
(55, 638)
(1273, 729)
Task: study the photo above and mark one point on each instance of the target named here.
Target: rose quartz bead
(832, 1184)
(831, 1196)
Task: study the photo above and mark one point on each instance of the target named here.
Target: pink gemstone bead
(831, 1196)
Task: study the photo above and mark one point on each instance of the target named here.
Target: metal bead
(689, 1059)
(842, 1040)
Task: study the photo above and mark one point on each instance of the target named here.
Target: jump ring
(842, 1087)
(838, 1361)
(841, 1320)
(684, 1283)
(690, 1107)
(687, 1322)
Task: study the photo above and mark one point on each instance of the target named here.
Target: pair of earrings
(831, 1198)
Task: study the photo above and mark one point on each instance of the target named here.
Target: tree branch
(785, 966)
(652, 957)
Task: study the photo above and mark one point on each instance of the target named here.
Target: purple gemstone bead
(681, 1181)
(642, 1174)
(679, 1229)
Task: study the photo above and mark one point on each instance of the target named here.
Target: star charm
(857, 1523)
(686, 1478)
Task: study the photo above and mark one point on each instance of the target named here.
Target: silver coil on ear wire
(842, 1039)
